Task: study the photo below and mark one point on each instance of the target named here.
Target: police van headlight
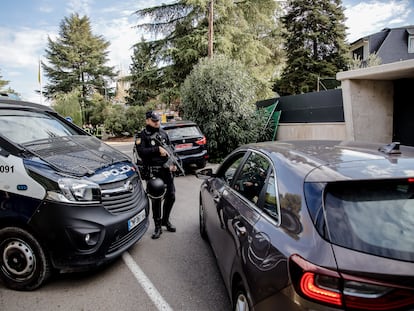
(76, 191)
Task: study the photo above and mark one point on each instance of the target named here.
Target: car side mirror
(205, 173)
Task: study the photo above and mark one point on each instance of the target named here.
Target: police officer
(156, 160)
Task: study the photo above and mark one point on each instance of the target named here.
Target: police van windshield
(26, 126)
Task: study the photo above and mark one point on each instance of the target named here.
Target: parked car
(189, 144)
(313, 225)
(68, 202)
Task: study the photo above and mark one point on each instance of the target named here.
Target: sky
(26, 25)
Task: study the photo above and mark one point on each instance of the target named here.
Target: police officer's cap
(152, 115)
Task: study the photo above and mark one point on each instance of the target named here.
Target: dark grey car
(313, 225)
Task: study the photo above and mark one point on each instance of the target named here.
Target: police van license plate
(135, 221)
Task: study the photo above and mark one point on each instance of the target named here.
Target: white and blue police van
(68, 201)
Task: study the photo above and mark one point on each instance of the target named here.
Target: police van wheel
(23, 262)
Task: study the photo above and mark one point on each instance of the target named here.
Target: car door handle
(217, 195)
(239, 228)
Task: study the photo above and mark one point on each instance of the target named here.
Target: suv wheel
(201, 164)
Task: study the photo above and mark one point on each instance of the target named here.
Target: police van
(68, 201)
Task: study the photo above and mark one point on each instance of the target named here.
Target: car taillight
(310, 286)
(330, 288)
(201, 141)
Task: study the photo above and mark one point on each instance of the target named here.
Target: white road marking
(145, 283)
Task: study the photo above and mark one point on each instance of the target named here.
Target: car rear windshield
(372, 217)
(183, 132)
(20, 126)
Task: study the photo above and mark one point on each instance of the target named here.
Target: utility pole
(210, 29)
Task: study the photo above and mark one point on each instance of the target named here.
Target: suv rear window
(373, 217)
(183, 132)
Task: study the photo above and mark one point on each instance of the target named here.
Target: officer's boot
(156, 213)
(158, 229)
(166, 216)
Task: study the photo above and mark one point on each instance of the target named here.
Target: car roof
(179, 123)
(330, 160)
(20, 104)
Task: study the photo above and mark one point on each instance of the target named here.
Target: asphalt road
(176, 272)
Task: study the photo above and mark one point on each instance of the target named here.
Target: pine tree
(315, 44)
(144, 82)
(183, 31)
(76, 61)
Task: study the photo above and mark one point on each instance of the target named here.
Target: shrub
(219, 94)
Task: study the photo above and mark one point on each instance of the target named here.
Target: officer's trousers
(169, 197)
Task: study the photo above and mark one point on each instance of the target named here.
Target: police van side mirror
(4, 152)
(7, 148)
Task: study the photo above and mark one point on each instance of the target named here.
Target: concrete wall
(307, 131)
(368, 98)
(368, 110)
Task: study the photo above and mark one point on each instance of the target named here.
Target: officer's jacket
(148, 146)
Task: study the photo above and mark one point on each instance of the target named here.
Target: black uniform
(158, 167)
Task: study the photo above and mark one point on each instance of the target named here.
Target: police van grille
(121, 201)
(126, 239)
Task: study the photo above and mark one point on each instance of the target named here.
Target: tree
(144, 81)
(372, 60)
(76, 60)
(98, 109)
(315, 44)
(67, 105)
(219, 94)
(244, 30)
(182, 25)
(249, 31)
(116, 120)
(3, 83)
(136, 118)
(8, 90)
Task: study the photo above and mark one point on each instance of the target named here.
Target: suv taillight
(201, 141)
(353, 293)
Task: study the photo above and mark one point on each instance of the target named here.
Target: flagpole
(39, 77)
